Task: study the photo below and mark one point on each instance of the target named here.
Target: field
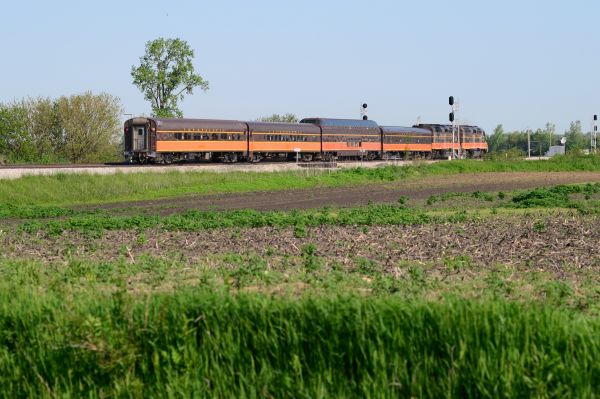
(476, 279)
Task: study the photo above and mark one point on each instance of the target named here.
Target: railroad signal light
(451, 100)
(363, 111)
(451, 116)
(595, 117)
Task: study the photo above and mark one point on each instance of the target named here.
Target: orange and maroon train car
(166, 140)
(471, 140)
(348, 137)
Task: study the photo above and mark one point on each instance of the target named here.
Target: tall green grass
(199, 344)
(68, 189)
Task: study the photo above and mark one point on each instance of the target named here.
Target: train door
(140, 138)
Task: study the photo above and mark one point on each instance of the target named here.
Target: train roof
(282, 127)
(340, 122)
(404, 129)
(192, 124)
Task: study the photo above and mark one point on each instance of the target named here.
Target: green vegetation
(194, 220)
(507, 145)
(68, 189)
(285, 118)
(581, 198)
(165, 73)
(78, 128)
(157, 328)
(129, 303)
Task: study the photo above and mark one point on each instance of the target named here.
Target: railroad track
(207, 164)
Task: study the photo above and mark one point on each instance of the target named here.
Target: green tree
(576, 140)
(550, 131)
(91, 126)
(287, 118)
(496, 139)
(165, 73)
(15, 142)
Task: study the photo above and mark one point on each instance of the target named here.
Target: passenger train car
(157, 140)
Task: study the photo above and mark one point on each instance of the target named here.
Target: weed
(299, 231)
(367, 266)
(311, 260)
(539, 226)
(458, 263)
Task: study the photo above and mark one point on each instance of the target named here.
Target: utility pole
(528, 143)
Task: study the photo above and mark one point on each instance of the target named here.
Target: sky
(518, 63)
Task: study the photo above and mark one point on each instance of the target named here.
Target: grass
(196, 342)
(74, 189)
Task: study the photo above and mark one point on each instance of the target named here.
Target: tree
(15, 141)
(90, 125)
(496, 140)
(576, 140)
(550, 130)
(165, 74)
(287, 118)
(79, 128)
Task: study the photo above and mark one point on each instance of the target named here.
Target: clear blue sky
(520, 63)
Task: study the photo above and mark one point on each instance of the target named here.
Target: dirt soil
(551, 242)
(388, 192)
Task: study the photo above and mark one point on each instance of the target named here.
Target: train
(163, 140)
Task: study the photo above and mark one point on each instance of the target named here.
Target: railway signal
(455, 127)
(593, 135)
(363, 111)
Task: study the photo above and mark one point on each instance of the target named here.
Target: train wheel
(254, 158)
(230, 157)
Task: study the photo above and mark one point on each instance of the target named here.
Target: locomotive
(159, 140)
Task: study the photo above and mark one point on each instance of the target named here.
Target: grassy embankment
(67, 189)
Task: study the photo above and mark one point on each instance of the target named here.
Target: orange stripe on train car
(343, 146)
(284, 146)
(407, 147)
(470, 146)
(200, 146)
(443, 146)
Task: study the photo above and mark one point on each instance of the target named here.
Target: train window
(197, 136)
(178, 136)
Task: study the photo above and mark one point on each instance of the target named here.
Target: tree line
(516, 142)
(78, 128)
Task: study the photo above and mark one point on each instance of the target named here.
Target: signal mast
(594, 133)
(455, 128)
